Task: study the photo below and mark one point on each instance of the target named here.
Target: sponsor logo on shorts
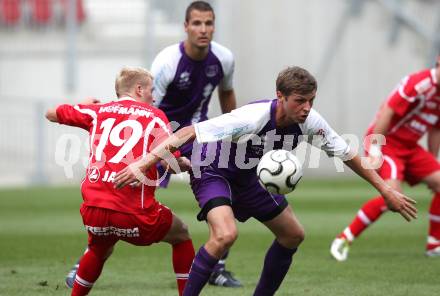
(110, 230)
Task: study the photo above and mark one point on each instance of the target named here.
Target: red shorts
(411, 165)
(106, 226)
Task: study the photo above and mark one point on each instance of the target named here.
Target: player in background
(121, 131)
(185, 76)
(229, 191)
(411, 111)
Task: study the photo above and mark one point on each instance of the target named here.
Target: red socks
(370, 212)
(183, 256)
(90, 267)
(434, 223)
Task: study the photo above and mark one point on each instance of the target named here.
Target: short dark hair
(200, 6)
(296, 80)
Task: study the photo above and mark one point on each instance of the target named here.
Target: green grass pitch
(41, 236)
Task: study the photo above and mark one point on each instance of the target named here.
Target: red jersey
(416, 103)
(120, 132)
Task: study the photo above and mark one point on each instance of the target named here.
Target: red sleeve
(80, 115)
(403, 96)
(162, 130)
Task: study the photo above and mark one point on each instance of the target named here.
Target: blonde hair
(129, 77)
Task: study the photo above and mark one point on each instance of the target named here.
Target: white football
(279, 171)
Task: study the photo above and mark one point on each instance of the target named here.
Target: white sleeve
(324, 137)
(227, 60)
(164, 69)
(234, 124)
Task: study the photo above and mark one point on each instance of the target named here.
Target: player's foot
(339, 249)
(70, 277)
(434, 252)
(224, 278)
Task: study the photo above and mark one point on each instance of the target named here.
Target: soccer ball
(279, 171)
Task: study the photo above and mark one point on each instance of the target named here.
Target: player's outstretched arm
(396, 201)
(133, 173)
(51, 113)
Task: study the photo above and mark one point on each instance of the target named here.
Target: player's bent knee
(177, 233)
(100, 252)
(435, 187)
(109, 252)
(299, 237)
(292, 239)
(224, 239)
(183, 233)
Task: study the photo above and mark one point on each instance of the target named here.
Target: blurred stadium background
(54, 51)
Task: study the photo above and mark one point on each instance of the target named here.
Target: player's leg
(424, 167)
(183, 251)
(90, 266)
(220, 276)
(369, 213)
(159, 225)
(433, 241)
(99, 249)
(392, 172)
(289, 234)
(214, 194)
(222, 234)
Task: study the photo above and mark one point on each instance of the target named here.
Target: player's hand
(130, 175)
(90, 101)
(398, 202)
(183, 165)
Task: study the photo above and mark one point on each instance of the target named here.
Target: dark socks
(201, 269)
(276, 265)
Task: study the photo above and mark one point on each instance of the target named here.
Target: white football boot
(339, 249)
(433, 252)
